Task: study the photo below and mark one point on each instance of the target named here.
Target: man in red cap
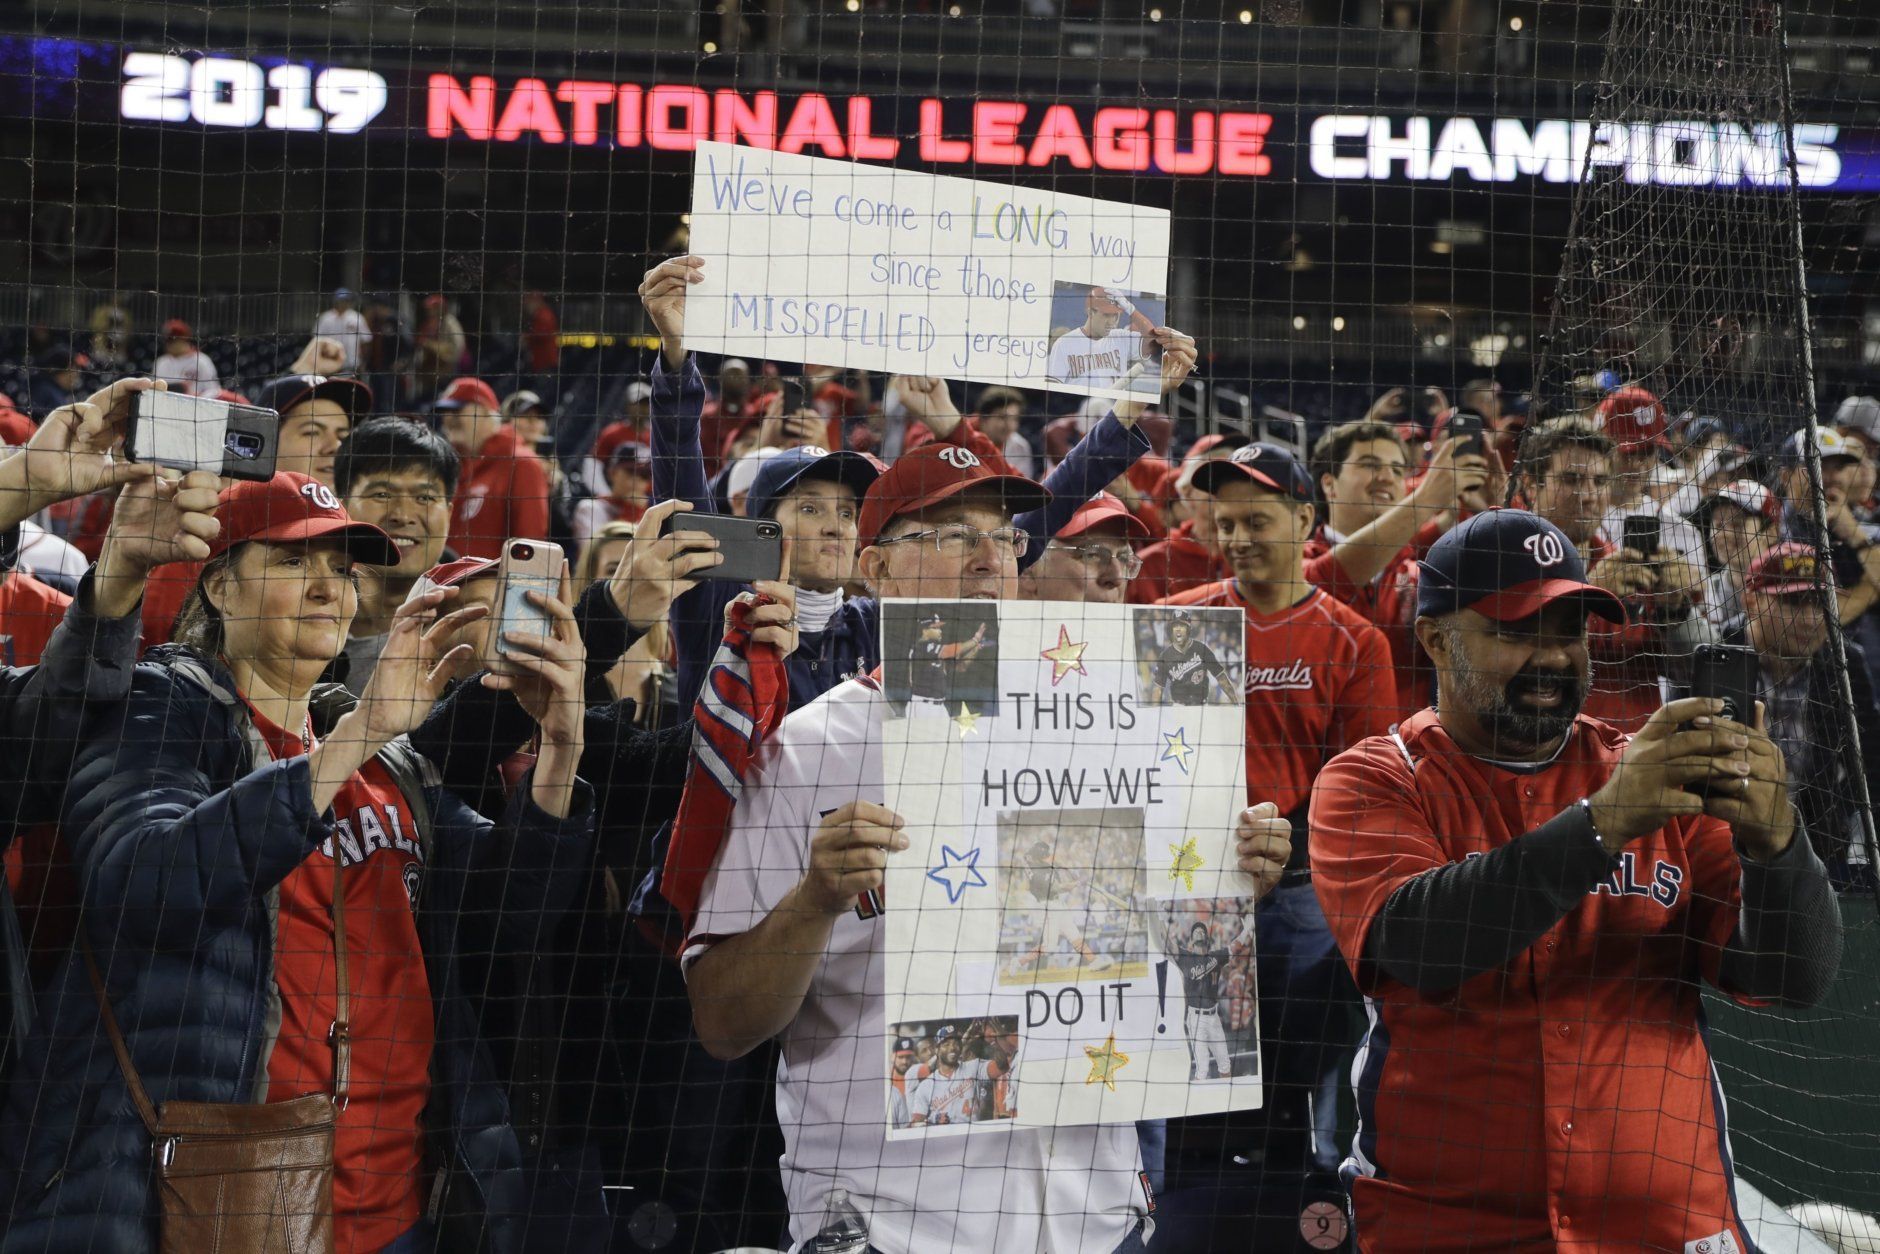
(1528, 899)
(1784, 618)
(1635, 421)
(779, 950)
(182, 365)
(504, 490)
(1091, 558)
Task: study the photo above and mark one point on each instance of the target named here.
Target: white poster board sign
(875, 268)
(1068, 938)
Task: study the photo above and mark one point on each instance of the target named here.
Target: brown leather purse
(250, 1177)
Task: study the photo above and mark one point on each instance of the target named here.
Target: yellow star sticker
(1105, 1063)
(966, 721)
(1188, 860)
(1066, 656)
(1176, 749)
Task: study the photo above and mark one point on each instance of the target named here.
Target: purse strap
(145, 1111)
(340, 1036)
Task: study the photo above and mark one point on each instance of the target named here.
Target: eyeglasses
(1096, 555)
(957, 540)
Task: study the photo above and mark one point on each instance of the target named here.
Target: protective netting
(912, 906)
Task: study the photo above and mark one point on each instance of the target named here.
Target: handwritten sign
(1068, 938)
(867, 266)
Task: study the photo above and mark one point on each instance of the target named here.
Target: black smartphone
(1644, 533)
(1728, 672)
(198, 433)
(752, 547)
(1467, 425)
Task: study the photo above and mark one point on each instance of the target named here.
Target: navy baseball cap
(944, 1031)
(1267, 465)
(282, 394)
(783, 472)
(903, 1045)
(1507, 564)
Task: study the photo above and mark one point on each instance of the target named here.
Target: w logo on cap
(959, 458)
(1545, 548)
(321, 495)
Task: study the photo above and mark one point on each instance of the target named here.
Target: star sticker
(1176, 749)
(1066, 656)
(966, 721)
(957, 872)
(1105, 1063)
(1187, 861)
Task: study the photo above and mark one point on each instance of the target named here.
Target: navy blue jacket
(180, 831)
(851, 644)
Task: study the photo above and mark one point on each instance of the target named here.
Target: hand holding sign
(662, 291)
(1262, 845)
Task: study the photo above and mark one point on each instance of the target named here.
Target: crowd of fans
(313, 679)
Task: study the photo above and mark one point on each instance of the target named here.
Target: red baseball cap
(1099, 510)
(452, 574)
(1785, 570)
(1634, 419)
(290, 508)
(177, 329)
(932, 473)
(465, 391)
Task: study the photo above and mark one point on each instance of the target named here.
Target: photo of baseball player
(1189, 656)
(1104, 338)
(1068, 880)
(969, 1074)
(938, 655)
(1210, 945)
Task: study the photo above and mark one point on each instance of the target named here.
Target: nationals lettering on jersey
(1076, 358)
(1273, 678)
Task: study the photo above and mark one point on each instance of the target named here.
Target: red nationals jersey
(1567, 1098)
(1390, 601)
(1318, 679)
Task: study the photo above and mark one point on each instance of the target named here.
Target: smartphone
(1467, 425)
(198, 433)
(752, 547)
(1728, 672)
(1643, 535)
(527, 566)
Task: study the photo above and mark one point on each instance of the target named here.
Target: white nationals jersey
(1076, 358)
(1062, 1191)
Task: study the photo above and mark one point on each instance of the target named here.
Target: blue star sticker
(958, 872)
(1176, 749)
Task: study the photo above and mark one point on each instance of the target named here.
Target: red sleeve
(1323, 571)
(1369, 836)
(528, 499)
(1368, 705)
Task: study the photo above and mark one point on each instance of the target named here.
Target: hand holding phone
(751, 548)
(198, 433)
(1644, 535)
(1467, 426)
(527, 566)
